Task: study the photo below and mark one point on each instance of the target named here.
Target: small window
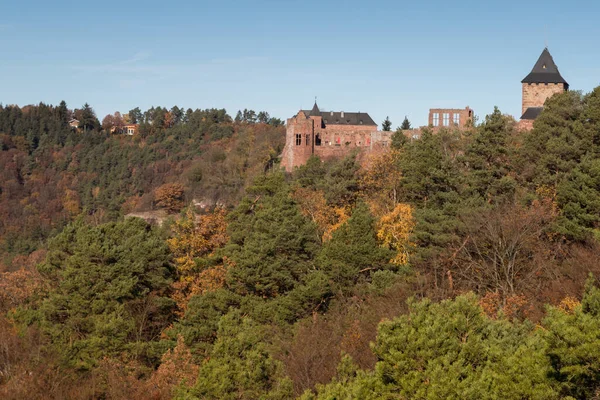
(416, 136)
(298, 139)
(456, 119)
(446, 119)
(436, 119)
(317, 140)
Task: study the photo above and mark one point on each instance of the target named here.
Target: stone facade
(536, 94)
(450, 117)
(330, 135)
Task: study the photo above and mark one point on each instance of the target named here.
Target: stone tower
(543, 81)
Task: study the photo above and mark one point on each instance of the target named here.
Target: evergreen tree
(87, 119)
(240, 367)
(353, 251)
(272, 244)
(571, 332)
(108, 286)
(487, 160)
(386, 125)
(399, 139)
(405, 124)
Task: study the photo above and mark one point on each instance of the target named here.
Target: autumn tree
(195, 237)
(170, 197)
(394, 232)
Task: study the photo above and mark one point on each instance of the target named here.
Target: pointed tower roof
(545, 71)
(315, 112)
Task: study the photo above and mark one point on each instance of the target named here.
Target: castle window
(307, 140)
(317, 140)
(436, 119)
(456, 119)
(298, 139)
(446, 119)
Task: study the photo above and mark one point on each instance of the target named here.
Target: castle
(329, 134)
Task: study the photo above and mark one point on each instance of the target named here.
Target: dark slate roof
(545, 71)
(350, 118)
(532, 113)
(315, 112)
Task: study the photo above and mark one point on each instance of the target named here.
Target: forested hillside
(461, 265)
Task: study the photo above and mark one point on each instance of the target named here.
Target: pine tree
(405, 124)
(386, 125)
(353, 251)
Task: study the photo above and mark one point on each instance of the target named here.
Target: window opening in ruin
(436, 119)
(456, 119)
(317, 140)
(446, 119)
(298, 139)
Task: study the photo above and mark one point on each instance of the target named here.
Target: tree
(399, 139)
(272, 244)
(240, 367)
(573, 342)
(136, 116)
(108, 291)
(108, 123)
(170, 197)
(353, 251)
(263, 117)
(405, 124)
(194, 238)
(87, 119)
(394, 231)
(488, 160)
(386, 125)
(449, 350)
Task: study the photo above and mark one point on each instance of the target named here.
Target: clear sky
(391, 58)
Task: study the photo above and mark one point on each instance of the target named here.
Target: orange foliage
(17, 287)
(512, 307)
(313, 205)
(170, 197)
(176, 368)
(194, 238)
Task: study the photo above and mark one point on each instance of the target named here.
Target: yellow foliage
(194, 238)
(394, 230)
(569, 304)
(313, 205)
(380, 182)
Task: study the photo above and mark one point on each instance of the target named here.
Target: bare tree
(505, 250)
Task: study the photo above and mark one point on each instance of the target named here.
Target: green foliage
(272, 243)
(573, 338)
(108, 291)
(451, 350)
(488, 160)
(353, 251)
(386, 125)
(405, 124)
(240, 366)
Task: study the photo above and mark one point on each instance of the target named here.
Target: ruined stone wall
(296, 153)
(536, 94)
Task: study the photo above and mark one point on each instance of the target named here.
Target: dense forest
(462, 265)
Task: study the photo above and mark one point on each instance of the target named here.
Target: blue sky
(391, 58)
